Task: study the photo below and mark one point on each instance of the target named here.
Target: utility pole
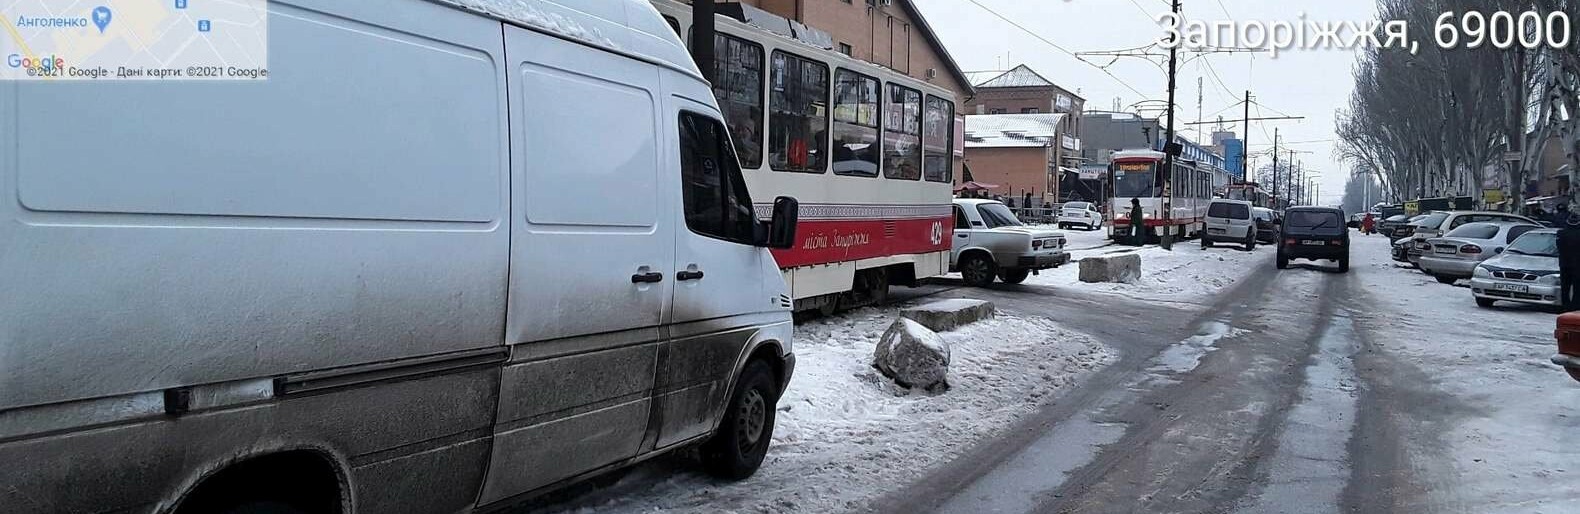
(1170, 147)
(1245, 142)
(1275, 167)
(702, 30)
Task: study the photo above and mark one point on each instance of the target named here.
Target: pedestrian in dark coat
(1569, 260)
(1137, 225)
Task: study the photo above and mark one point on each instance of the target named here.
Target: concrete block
(1125, 268)
(946, 315)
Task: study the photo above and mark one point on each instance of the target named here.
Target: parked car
(1568, 335)
(1526, 272)
(1266, 225)
(991, 242)
(1082, 214)
(1314, 233)
(348, 294)
(1456, 254)
(1400, 250)
(1229, 221)
(1438, 223)
(1392, 225)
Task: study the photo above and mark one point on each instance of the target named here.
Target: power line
(1057, 47)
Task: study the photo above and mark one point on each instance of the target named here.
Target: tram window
(738, 84)
(902, 149)
(856, 111)
(714, 193)
(798, 132)
(938, 129)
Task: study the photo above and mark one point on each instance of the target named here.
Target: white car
(1526, 272)
(1455, 255)
(990, 242)
(1229, 221)
(1083, 214)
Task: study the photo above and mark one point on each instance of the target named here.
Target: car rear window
(1432, 220)
(1229, 210)
(1474, 231)
(1314, 222)
(1075, 205)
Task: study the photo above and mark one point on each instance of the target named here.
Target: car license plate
(1313, 242)
(1215, 231)
(1518, 288)
(1449, 251)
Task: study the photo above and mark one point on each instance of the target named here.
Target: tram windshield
(1134, 179)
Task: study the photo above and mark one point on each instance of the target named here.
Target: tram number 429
(938, 233)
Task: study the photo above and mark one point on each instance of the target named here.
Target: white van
(1229, 221)
(441, 260)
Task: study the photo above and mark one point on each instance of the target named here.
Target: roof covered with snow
(1020, 76)
(1012, 130)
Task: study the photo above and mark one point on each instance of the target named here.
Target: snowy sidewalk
(845, 434)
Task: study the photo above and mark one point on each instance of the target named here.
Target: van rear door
(592, 258)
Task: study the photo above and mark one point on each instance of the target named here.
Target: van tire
(1283, 262)
(1014, 276)
(978, 270)
(737, 449)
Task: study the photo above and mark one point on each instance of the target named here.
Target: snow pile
(846, 435)
(1186, 274)
(913, 356)
(1507, 441)
(527, 13)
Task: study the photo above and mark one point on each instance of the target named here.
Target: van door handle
(684, 275)
(962, 236)
(650, 277)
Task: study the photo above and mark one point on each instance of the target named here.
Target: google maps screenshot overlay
(134, 40)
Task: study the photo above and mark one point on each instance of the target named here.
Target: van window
(713, 190)
(738, 84)
(799, 106)
(1228, 210)
(938, 130)
(856, 114)
(902, 151)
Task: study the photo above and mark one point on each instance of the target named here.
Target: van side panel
(591, 266)
(321, 257)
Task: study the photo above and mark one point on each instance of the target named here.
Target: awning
(1539, 199)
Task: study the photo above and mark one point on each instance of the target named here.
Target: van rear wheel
(737, 449)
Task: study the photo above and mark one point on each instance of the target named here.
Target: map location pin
(101, 17)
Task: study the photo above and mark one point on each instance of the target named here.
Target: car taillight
(1036, 243)
(1338, 242)
(1470, 249)
(1289, 242)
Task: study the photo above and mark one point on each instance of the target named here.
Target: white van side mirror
(781, 229)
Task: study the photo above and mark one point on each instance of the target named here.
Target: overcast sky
(1309, 83)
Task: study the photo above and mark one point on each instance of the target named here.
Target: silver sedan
(1456, 254)
(1527, 272)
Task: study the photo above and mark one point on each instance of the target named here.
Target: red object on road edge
(1568, 336)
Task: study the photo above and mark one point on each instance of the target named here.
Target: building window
(902, 152)
(738, 84)
(798, 105)
(844, 48)
(1029, 110)
(716, 201)
(938, 128)
(856, 117)
(997, 111)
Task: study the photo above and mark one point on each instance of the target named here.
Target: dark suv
(1314, 233)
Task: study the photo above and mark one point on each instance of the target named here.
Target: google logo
(49, 62)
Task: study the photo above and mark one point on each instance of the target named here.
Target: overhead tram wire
(1057, 47)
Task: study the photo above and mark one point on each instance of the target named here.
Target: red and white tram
(868, 153)
(1135, 174)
